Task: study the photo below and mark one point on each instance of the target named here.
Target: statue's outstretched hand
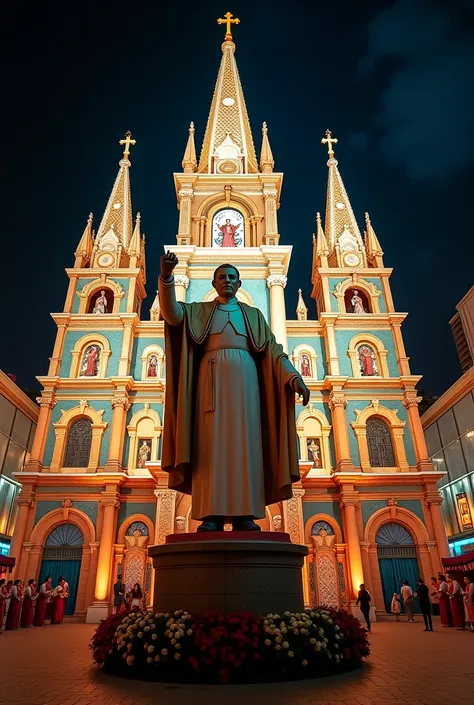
(168, 262)
(300, 388)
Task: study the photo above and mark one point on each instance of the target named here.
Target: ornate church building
(94, 497)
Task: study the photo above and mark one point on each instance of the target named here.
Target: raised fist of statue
(168, 263)
(301, 389)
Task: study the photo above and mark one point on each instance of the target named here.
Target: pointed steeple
(86, 243)
(320, 247)
(372, 244)
(189, 162)
(228, 120)
(134, 248)
(266, 157)
(155, 309)
(118, 213)
(301, 310)
(339, 214)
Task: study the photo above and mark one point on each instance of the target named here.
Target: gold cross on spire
(127, 142)
(329, 140)
(229, 22)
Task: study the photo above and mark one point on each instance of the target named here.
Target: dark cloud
(426, 107)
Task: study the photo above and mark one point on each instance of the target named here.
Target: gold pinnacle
(228, 22)
(127, 142)
(329, 140)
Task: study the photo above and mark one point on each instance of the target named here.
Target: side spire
(86, 243)
(134, 249)
(339, 214)
(118, 213)
(189, 162)
(266, 156)
(372, 244)
(228, 143)
(320, 246)
(301, 310)
(155, 309)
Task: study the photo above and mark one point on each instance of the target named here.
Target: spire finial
(228, 21)
(90, 218)
(301, 310)
(266, 157)
(191, 128)
(138, 218)
(127, 142)
(189, 162)
(329, 140)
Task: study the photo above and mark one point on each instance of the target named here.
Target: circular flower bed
(240, 647)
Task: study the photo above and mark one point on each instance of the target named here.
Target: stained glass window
(137, 526)
(318, 525)
(379, 441)
(79, 441)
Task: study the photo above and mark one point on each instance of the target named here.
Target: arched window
(393, 534)
(322, 526)
(137, 526)
(78, 447)
(379, 442)
(65, 542)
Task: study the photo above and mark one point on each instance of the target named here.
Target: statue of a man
(229, 438)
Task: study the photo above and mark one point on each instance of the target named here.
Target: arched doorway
(62, 556)
(397, 560)
(136, 567)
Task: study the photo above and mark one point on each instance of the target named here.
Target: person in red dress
(444, 602)
(14, 611)
(469, 599)
(59, 601)
(29, 602)
(42, 602)
(3, 598)
(457, 602)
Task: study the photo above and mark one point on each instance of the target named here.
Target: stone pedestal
(229, 572)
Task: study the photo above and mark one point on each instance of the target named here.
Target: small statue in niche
(314, 452)
(100, 305)
(367, 361)
(152, 366)
(90, 361)
(276, 520)
(305, 365)
(357, 303)
(144, 452)
(180, 524)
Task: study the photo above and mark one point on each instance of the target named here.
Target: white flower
(142, 623)
(286, 645)
(300, 623)
(268, 642)
(164, 651)
(149, 659)
(140, 635)
(317, 646)
(278, 639)
(177, 656)
(146, 629)
(277, 647)
(336, 627)
(178, 646)
(323, 644)
(304, 662)
(189, 632)
(157, 657)
(265, 622)
(336, 636)
(173, 641)
(284, 630)
(312, 640)
(130, 660)
(295, 631)
(154, 636)
(286, 614)
(129, 647)
(290, 654)
(151, 649)
(329, 621)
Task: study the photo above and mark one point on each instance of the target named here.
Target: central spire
(228, 145)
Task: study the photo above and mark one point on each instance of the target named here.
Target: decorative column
(293, 516)
(55, 359)
(337, 404)
(181, 283)
(333, 357)
(124, 362)
(349, 506)
(271, 225)
(411, 402)
(100, 607)
(434, 505)
(165, 513)
(25, 503)
(184, 227)
(276, 283)
(120, 406)
(35, 462)
(400, 346)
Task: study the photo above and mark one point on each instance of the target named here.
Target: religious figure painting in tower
(152, 366)
(144, 452)
(90, 361)
(305, 365)
(223, 364)
(100, 305)
(228, 228)
(314, 451)
(357, 303)
(367, 361)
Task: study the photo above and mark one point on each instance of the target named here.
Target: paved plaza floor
(52, 666)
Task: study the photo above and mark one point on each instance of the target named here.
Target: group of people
(25, 606)
(123, 600)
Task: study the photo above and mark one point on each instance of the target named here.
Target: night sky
(390, 79)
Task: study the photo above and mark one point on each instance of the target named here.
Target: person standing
(42, 602)
(8, 595)
(14, 611)
(423, 595)
(59, 601)
(395, 607)
(457, 602)
(444, 602)
(363, 599)
(469, 599)
(3, 592)
(119, 594)
(407, 595)
(29, 601)
(434, 593)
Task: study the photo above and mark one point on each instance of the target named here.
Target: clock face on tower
(228, 228)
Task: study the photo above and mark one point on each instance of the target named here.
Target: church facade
(94, 496)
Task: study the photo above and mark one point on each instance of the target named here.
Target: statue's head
(226, 280)
(227, 221)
